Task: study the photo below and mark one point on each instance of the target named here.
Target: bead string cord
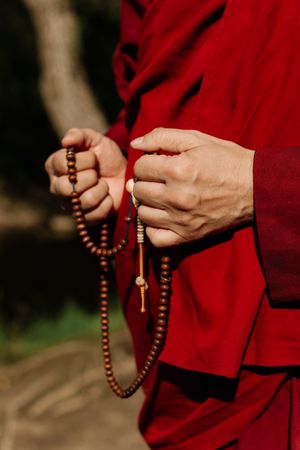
(104, 253)
(140, 238)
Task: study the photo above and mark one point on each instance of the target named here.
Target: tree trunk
(66, 93)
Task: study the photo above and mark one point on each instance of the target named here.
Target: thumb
(169, 139)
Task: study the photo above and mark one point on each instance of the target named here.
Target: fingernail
(136, 142)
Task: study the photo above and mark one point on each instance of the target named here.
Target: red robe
(230, 69)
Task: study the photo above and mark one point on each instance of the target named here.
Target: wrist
(246, 179)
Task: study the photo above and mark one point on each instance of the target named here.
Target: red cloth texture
(230, 69)
(276, 185)
(191, 411)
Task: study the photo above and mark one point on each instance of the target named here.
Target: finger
(101, 212)
(81, 138)
(154, 217)
(150, 194)
(84, 160)
(151, 168)
(169, 139)
(163, 238)
(85, 180)
(92, 197)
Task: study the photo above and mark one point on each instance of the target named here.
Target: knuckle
(158, 133)
(184, 219)
(137, 167)
(92, 176)
(90, 199)
(176, 169)
(185, 200)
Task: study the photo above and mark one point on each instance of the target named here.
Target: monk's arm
(277, 220)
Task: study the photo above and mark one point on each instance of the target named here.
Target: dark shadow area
(40, 274)
(26, 134)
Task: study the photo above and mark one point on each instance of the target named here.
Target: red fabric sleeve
(125, 60)
(277, 210)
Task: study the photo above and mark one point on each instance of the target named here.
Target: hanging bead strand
(103, 252)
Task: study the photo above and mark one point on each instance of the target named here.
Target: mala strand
(104, 253)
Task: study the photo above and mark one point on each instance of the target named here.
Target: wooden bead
(162, 315)
(74, 194)
(164, 301)
(165, 274)
(71, 170)
(128, 219)
(164, 294)
(148, 364)
(83, 233)
(162, 322)
(159, 335)
(155, 348)
(73, 178)
(110, 378)
(77, 214)
(165, 287)
(94, 249)
(86, 239)
(124, 242)
(162, 308)
(165, 266)
(104, 263)
(165, 259)
(75, 201)
(76, 207)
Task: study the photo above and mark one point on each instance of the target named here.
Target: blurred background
(55, 73)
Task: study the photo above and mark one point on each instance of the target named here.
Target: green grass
(73, 323)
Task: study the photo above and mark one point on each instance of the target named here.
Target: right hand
(100, 172)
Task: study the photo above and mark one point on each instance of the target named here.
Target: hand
(204, 188)
(101, 172)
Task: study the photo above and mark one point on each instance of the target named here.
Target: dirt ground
(59, 400)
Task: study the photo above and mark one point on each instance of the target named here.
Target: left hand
(204, 188)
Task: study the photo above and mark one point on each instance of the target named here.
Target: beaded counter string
(104, 253)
